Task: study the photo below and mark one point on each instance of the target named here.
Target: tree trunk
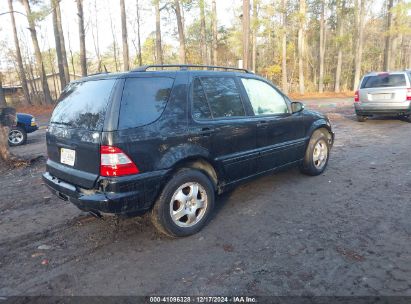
(359, 19)
(203, 33)
(409, 55)
(113, 33)
(82, 36)
(322, 48)
(301, 47)
(214, 25)
(395, 51)
(159, 51)
(284, 78)
(181, 38)
(71, 55)
(3, 103)
(340, 32)
(57, 90)
(246, 34)
(4, 143)
(62, 42)
(33, 86)
(255, 30)
(140, 58)
(22, 72)
(126, 59)
(39, 59)
(4, 131)
(96, 39)
(387, 50)
(58, 46)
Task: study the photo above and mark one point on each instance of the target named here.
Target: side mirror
(297, 106)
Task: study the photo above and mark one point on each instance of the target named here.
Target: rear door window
(83, 104)
(384, 80)
(143, 100)
(222, 96)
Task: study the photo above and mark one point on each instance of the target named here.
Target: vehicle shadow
(379, 118)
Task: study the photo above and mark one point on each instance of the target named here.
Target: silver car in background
(385, 93)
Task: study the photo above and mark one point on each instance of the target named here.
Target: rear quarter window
(83, 104)
(143, 100)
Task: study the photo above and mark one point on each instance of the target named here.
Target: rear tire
(17, 136)
(185, 204)
(362, 118)
(317, 153)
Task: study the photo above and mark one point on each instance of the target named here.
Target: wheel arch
(321, 125)
(201, 164)
(189, 155)
(21, 125)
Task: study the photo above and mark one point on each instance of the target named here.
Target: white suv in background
(386, 93)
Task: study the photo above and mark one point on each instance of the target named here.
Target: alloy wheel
(16, 137)
(320, 154)
(188, 204)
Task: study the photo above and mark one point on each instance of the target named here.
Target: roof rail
(185, 67)
(99, 73)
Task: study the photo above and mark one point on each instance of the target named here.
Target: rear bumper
(384, 108)
(121, 195)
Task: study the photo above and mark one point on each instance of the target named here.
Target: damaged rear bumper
(121, 195)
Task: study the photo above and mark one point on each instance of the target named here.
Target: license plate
(382, 96)
(67, 156)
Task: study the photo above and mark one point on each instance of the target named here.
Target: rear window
(83, 104)
(144, 100)
(384, 80)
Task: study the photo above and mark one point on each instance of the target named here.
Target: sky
(225, 12)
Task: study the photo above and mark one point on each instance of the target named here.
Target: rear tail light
(409, 94)
(114, 162)
(356, 96)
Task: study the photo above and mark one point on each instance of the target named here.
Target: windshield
(83, 104)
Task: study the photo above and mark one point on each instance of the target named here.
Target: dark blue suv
(166, 141)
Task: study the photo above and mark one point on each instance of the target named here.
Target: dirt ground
(346, 232)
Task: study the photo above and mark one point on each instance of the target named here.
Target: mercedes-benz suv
(167, 141)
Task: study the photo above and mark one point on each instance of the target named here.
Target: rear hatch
(74, 134)
(384, 88)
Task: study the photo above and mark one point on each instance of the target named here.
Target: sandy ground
(346, 232)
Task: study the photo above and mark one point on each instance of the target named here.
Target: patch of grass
(315, 95)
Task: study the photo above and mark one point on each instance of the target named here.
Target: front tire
(185, 204)
(17, 136)
(317, 153)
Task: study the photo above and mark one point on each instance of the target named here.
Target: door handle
(262, 123)
(206, 132)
